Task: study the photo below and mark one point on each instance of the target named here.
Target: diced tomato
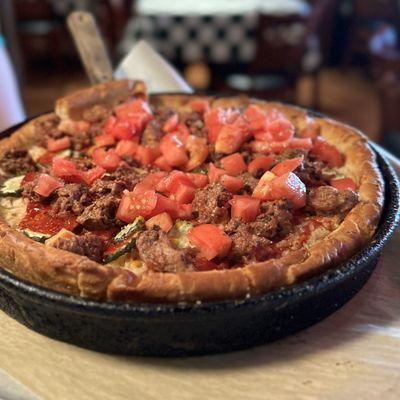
(119, 129)
(245, 208)
(214, 173)
(300, 143)
(38, 219)
(311, 130)
(173, 150)
(46, 158)
(230, 139)
(171, 123)
(199, 180)
(59, 144)
(66, 170)
(183, 194)
(232, 183)
(214, 120)
(280, 129)
(29, 177)
(287, 186)
(256, 118)
(161, 163)
(262, 163)
(163, 220)
(146, 155)
(164, 204)
(183, 133)
(197, 148)
(234, 164)
(126, 148)
(327, 153)
(104, 140)
(343, 184)
(264, 136)
(47, 184)
(210, 240)
(149, 182)
(171, 182)
(133, 205)
(199, 105)
(202, 264)
(279, 147)
(131, 108)
(92, 175)
(109, 160)
(287, 166)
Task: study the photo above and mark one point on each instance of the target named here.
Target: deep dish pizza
(167, 198)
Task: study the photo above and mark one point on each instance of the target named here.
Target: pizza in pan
(122, 196)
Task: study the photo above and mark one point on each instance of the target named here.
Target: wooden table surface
(353, 354)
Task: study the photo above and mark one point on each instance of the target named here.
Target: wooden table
(353, 354)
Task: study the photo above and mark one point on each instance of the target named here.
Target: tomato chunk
(280, 128)
(171, 123)
(214, 121)
(300, 143)
(119, 129)
(66, 170)
(260, 164)
(287, 166)
(197, 148)
(287, 186)
(92, 175)
(133, 205)
(173, 150)
(126, 148)
(214, 173)
(109, 160)
(210, 240)
(164, 204)
(343, 184)
(327, 153)
(245, 208)
(199, 180)
(104, 140)
(150, 182)
(163, 220)
(232, 183)
(230, 139)
(234, 164)
(59, 144)
(146, 155)
(162, 163)
(256, 118)
(47, 184)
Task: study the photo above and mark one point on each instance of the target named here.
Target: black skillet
(180, 330)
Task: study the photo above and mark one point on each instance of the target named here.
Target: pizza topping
(327, 200)
(159, 254)
(47, 184)
(196, 188)
(16, 162)
(89, 245)
(100, 214)
(12, 186)
(71, 198)
(211, 204)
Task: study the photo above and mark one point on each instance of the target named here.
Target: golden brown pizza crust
(73, 274)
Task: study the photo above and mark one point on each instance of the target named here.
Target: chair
(281, 43)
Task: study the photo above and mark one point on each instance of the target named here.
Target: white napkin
(144, 63)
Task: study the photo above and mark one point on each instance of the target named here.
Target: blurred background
(340, 57)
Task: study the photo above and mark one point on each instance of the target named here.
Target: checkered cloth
(216, 39)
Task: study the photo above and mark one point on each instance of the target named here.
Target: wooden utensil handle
(90, 46)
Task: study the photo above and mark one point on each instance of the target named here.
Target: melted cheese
(12, 210)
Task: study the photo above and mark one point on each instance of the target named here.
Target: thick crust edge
(73, 274)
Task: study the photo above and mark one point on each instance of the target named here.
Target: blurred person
(11, 108)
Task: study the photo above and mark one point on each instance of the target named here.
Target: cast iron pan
(180, 330)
